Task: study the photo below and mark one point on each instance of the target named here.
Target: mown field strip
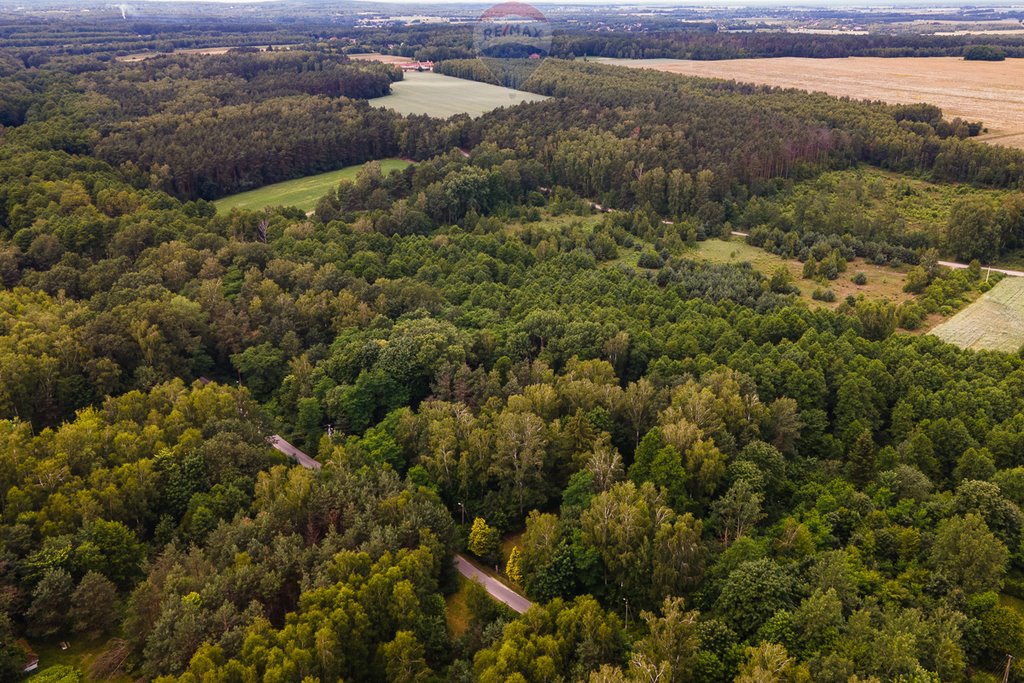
(994, 322)
(443, 96)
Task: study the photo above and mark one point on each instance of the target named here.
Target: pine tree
(861, 459)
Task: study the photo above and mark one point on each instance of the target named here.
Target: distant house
(31, 658)
(417, 66)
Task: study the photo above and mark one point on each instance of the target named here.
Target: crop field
(377, 57)
(994, 322)
(991, 92)
(142, 56)
(443, 96)
(302, 193)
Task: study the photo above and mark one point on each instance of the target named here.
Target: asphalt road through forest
(495, 588)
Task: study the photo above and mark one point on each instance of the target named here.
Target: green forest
(692, 473)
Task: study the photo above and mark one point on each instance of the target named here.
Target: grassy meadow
(302, 193)
(883, 282)
(443, 96)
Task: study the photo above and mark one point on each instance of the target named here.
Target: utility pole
(1006, 672)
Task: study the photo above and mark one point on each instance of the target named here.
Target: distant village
(417, 66)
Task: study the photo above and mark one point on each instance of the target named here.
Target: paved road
(293, 452)
(961, 266)
(496, 589)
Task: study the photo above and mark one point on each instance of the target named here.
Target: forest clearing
(882, 282)
(990, 92)
(995, 322)
(442, 96)
(302, 193)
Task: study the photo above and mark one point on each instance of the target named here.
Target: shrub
(910, 315)
(650, 259)
(984, 53)
(917, 280)
(822, 294)
(860, 279)
(781, 281)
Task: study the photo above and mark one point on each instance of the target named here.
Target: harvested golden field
(991, 92)
(377, 57)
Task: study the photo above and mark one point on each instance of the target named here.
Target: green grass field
(80, 656)
(995, 322)
(301, 192)
(443, 96)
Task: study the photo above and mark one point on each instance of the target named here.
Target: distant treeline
(694, 42)
(709, 46)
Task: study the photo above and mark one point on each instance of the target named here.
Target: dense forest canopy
(692, 473)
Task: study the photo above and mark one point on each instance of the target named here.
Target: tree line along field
(908, 206)
(442, 96)
(301, 193)
(990, 92)
(995, 322)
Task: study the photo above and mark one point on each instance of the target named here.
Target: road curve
(496, 589)
(293, 452)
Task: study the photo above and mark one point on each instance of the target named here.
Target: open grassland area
(882, 283)
(443, 96)
(80, 655)
(994, 322)
(456, 610)
(991, 92)
(302, 193)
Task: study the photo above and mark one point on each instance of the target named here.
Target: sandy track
(991, 92)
